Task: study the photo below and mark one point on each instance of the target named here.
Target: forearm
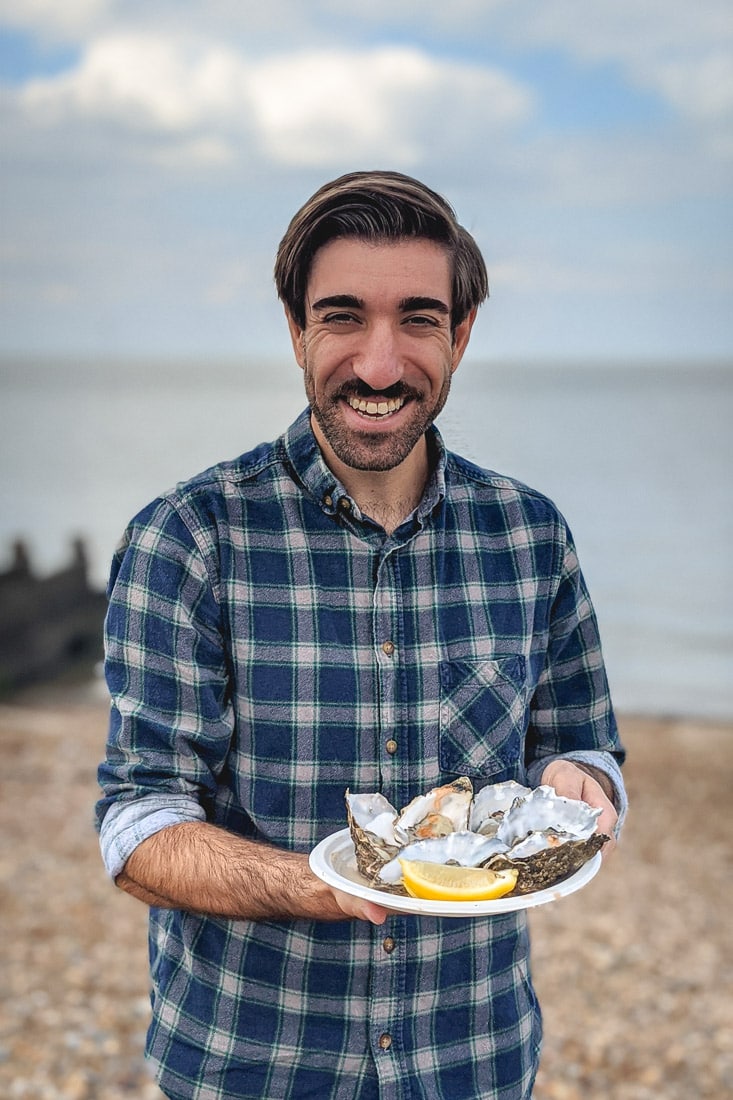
(201, 868)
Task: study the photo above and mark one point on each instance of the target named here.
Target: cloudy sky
(154, 150)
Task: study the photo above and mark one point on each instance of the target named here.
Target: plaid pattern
(251, 685)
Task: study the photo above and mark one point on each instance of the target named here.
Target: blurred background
(152, 154)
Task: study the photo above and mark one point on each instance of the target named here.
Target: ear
(296, 338)
(461, 336)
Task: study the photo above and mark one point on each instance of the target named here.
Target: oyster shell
(544, 809)
(371, 819)
(466, 848)
(544, 868)
(548, 838)
(379, 832)
(492, 802)
(441, 811)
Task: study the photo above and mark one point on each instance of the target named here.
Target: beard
(368, 450)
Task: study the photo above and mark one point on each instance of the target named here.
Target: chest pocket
(483, 717)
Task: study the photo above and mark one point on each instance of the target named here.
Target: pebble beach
(634, 972)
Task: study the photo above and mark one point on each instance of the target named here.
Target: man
(348, 607)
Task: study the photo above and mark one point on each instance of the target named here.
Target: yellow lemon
(449, 882)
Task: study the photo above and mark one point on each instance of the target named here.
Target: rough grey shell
(548, 838)
(371, 819)
(549, 866)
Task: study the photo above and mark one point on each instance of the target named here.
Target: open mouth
(375, 409)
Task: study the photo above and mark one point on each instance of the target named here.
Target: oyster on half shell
(542, 835)
(491, 803)
(441, 811)
(465, 848)
(379, 831)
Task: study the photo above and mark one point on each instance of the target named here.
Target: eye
(421, 320)
(340, 318)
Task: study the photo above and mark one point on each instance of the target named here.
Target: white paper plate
(333, 860)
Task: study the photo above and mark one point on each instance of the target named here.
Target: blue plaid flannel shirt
(252, 683)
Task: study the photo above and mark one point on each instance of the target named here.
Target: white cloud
(704, 89)
(680, 50)
(304, 108)
(146, 82)
(391, 103)
(185, 133)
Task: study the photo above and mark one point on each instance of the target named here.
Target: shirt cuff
(605, 763)
(127, 824)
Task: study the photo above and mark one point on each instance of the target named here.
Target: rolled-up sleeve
(127, 824)
(166, 669)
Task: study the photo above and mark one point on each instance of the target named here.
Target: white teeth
(376, 408)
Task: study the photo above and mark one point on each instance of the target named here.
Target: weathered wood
(50, 624)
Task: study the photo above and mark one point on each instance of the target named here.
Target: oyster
(542, 835)
(441, 811)
(544, 809)
(379, 832)
(371, 823)
(466, 848)
(492, 802)
(548, 838)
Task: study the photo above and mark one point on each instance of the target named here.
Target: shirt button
(391, 746)
(388, 648)
(328, 500)
(389, 944)
(345, 504)
(385, 1040)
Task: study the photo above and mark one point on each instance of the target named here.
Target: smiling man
(351, 606)
(378, 351)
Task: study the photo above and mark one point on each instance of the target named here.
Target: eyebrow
(406, 305)
(342, 301)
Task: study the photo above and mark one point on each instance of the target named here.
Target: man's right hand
(359, 908)
(205, 869)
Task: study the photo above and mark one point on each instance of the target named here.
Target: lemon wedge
(449, 882)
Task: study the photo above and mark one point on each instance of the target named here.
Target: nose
(378, 362)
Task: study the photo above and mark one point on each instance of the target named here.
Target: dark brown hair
(378, 206)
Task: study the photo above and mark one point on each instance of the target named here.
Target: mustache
(357, 388)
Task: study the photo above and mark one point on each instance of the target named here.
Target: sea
(637, 456)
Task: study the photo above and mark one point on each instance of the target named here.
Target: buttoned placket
(388, 973)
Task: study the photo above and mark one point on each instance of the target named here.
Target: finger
(567, 780)
(377, 914)
(360, 908)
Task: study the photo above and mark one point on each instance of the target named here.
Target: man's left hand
(573, 781)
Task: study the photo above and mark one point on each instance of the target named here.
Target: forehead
(366, 269)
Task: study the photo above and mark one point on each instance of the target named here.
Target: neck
(386, 496)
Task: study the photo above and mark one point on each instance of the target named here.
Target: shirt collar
(310, 470)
